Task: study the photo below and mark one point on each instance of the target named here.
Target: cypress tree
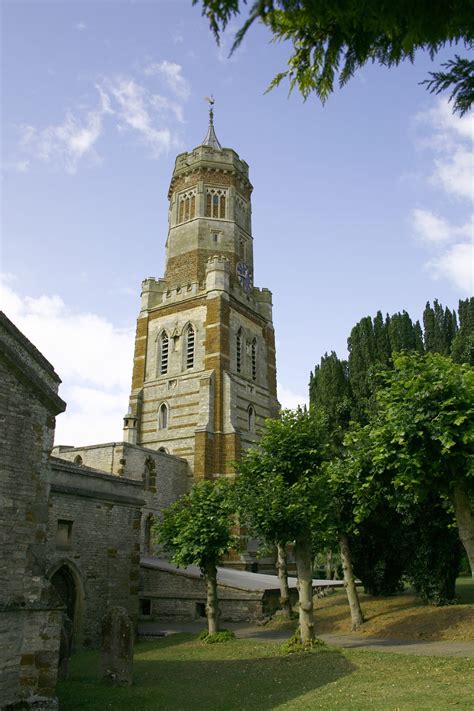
(462, 346)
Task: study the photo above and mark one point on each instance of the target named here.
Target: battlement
(207, 156)
(218, 261)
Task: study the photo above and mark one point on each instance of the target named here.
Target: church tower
(204, 375)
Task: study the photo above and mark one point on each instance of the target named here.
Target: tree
(283, 497)
(462, 345)
(196, 530)
(420, 441)
(332, 39)
(330, 404)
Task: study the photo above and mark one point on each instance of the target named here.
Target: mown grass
(179, 672)
(402, 616)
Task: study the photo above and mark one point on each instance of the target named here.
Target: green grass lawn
(244, 675)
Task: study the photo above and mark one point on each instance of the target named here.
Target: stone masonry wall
(29, 609)
(103, 550)
(180, 597)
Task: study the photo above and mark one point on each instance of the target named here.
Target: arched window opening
(216, 203)
(163, 417)
(253, 350)
(238, 359)
(164, 352)
(187, 206)
(163, 450)
(78, 459)
(251, 418)
(190, 342)
(149, 474)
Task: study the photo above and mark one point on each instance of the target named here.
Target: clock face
(244, 275)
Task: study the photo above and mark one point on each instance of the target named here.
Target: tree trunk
(357, 617)
(212, 606)
(465, 520)
(329, 566)
(305, 587)
(283, 579)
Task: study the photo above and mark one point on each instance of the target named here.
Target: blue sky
(360, 205)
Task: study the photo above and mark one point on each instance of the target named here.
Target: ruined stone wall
(102, 551)
(29, 610)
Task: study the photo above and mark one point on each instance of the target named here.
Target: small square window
(64, 534)
(215, 237)
(145, 607)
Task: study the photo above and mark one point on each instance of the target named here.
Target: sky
(360, 205)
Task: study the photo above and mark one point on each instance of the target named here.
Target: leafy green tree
(196, 530)
(420, 442)
(332, 39)
(330, 405)
(462, 345)
(282, 496)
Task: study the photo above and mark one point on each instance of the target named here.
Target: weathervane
(211, 101)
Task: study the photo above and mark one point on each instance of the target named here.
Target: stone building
(204, 376)
(30, 611)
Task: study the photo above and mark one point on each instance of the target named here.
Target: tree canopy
(332, 39)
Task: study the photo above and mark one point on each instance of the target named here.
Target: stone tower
(204, 376)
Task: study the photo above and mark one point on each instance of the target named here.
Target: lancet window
(216, 203)
(238, 357)
(163, 417)
(164, 350)
(187, 206)
(251, 418)
(190, 342)
(253, 356)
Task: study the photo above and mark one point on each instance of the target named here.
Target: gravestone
(116, 649)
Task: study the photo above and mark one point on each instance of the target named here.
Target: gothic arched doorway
(63, 582)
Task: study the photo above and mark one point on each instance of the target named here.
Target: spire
(211, 138)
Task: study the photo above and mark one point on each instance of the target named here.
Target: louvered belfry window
(190, 343)
(238, 359)
(254, 359)
(164, 352)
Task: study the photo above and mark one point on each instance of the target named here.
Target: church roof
(211, 138)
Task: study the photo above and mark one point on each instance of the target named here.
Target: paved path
(348, 641)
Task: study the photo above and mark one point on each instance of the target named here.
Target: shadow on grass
(241, 676)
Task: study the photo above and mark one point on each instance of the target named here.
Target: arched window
(147, 533)
(216, 203)
(187, 206)
(78, 459)
(238, 356)
(251, 418)
(189, 344)
(164, 353)
(149, 474)
(253, 352)
(163, 417)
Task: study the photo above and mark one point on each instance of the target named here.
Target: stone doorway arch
(66, 580)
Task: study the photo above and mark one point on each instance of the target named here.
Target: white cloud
(290, 399)
(172, 75)
(433, 229)
(66, 143)
(91, 355)
(451, 246)
(134, 107)
(457, 265)
(450, 138)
